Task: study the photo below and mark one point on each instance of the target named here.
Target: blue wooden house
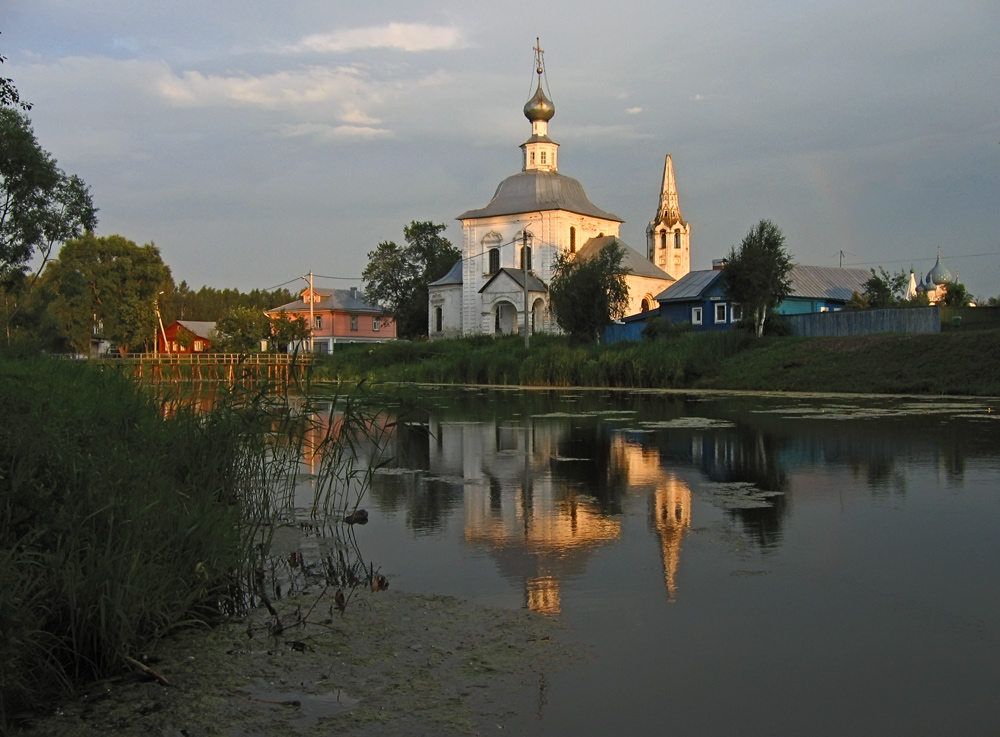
(699, 297)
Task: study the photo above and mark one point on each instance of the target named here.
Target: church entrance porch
(504, 318)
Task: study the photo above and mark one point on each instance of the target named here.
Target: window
(526, 257)
(317, 322)
(645, 305)
(543, 156)
(532, 157)
(354, 322)
(376, 324)
(572, 240)
(663, 239)
(696, 315)
(736, 312)
(199, 346)
(720, 312)
(438, 319)
(677, 239)
(494, 260)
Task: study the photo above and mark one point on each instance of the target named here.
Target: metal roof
(827, 282)
(198, 327)
(345, 300)
(454, 276)
(535, 191)
(689, 286)
(633, 261)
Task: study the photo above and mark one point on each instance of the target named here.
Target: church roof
(534, 283)
(535, 191)
(454, 276)
(633, 262)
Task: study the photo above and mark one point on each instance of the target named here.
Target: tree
(242, 329)
(9, 96)
(286, 330)
(109, 285)
(757, 273)
(956, 295)
(397, 277)
(587, 294)
(40, 206)
(883, 290)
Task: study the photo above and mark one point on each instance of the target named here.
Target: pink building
(339, 316)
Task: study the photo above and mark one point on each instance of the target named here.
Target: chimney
(354, 292)
(718, 264)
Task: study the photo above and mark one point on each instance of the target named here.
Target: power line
(911, 260)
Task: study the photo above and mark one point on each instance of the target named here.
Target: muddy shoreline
(390, 664)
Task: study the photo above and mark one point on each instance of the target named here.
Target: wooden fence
(866, 322)
(219, 367)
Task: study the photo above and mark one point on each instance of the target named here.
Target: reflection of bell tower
(668, 236)
(671, 517)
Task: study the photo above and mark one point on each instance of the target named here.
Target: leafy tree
(9, 96)
(286, 329)
(242, 330)
(757, 273)
(397, 277)
(884, 290)
(587, 294)
(211, 304)
(956, 295)
(106, 285)
(40, 206)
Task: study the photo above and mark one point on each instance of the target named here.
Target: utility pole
(312, 302)
(525, 245)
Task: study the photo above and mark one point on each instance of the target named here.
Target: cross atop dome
(539, 150)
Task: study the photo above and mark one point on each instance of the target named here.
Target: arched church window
(438, 319)
(494, 260)
(572, 240)
(677, 239)
(645, 305)
(526, 257)
(663, 239)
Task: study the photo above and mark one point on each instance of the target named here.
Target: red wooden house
(186, 336)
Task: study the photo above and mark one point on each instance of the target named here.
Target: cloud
(409, 37)
(303, 86)
(633, 110)
(333, 133)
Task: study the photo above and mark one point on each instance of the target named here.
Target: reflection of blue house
(699, 297)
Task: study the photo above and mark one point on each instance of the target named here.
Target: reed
(124, 516)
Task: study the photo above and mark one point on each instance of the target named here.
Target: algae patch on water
(391, 664)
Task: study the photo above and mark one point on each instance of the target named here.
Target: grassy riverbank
(946, 363)
(121, 519)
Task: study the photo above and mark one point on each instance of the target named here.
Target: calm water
(731, 565)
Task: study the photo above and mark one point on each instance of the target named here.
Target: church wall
(643, 286)
(550, 230)
(449, 300)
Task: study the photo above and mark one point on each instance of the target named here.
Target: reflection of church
(536, 216)
(539, 527)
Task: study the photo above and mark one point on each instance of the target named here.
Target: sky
(256, 141)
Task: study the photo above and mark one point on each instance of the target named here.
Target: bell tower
(668, 236)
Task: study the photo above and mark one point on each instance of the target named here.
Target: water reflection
(542, 480)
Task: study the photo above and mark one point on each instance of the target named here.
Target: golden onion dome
(539, 107)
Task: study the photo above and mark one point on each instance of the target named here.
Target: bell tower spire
(668, 236)
(539, 150)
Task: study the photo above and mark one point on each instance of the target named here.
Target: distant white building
(536, 214)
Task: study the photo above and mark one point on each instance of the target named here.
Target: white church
(538, 214)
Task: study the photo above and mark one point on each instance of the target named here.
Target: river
(725, 563)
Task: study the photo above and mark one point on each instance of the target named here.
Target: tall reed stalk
(124, 516)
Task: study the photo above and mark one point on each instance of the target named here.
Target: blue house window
(735, 312)
(696, 315)
(720, 312)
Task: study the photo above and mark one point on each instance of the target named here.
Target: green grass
(953, 362)
(124, 516)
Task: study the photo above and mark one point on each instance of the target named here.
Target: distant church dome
(939, 274)
(539, 107)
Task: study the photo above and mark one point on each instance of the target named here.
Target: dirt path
(392, 664)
